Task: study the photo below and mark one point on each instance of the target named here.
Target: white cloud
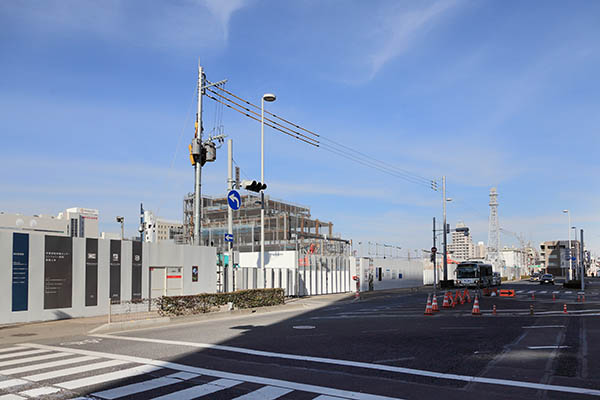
(399, 29)
(185, 24)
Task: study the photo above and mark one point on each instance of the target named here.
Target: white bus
(474, 274)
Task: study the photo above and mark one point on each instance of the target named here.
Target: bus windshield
(466, 271)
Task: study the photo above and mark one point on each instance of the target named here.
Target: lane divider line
(359, 364)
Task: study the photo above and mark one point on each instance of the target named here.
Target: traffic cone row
(467, 295)
(581, 298)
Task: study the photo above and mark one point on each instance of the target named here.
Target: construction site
(288, 226)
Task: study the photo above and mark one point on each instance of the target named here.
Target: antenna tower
(494, 229)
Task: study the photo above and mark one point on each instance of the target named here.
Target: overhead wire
(331, 145)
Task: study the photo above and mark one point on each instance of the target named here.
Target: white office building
(462, 247)
(158, 229)
(74, 222)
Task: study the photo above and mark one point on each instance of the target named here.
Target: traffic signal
(254, 186)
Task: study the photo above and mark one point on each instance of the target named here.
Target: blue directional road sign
(574, 258)
(234, 199)
(229, 237)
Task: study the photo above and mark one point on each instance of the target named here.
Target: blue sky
(97, 106)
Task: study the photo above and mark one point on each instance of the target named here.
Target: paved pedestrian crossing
(37, 371)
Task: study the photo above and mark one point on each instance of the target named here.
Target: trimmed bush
(206, 302)
(504, 278)
(525, 276)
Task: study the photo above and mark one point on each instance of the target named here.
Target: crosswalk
(38, 371)
(559, 292)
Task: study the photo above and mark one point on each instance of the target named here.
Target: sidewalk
(69, 328)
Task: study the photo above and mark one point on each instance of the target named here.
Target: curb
(164, 321)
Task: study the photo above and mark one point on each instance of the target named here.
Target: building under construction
(288, 226)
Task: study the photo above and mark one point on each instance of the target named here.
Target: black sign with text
(91, 272)
(58, 272)
(20, 271)
(136, 271)
(115, 271)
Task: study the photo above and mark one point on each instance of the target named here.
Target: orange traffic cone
(583, 298)
(456, 298)
(565, 308)
(532, 296)
(434, 305)
(553, 297)
(476, 310)
(467, 295)
(446, 303)
(462, 298)
(428, 310)
(494, 310)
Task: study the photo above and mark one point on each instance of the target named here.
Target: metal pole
(445, 230)
(433, 255)
(229, 210)
(262, 193)
(570, 255)
(582, 274)
(122, 229)
(198, 166)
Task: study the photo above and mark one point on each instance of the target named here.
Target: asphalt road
(379, 347)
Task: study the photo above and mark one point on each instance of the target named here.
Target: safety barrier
(507, 293)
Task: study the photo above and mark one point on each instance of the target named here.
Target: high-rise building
(462, 247)
(158, 229)
(480, 250)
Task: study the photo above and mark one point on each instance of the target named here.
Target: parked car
(496, 279)
(547, 278)
(534, 277)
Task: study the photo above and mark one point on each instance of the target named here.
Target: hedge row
(206, 302)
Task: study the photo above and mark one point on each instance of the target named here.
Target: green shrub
(525, 276)
(206, 302)
(572, 284)
(504, 278)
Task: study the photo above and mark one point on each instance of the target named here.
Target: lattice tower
(494, 228)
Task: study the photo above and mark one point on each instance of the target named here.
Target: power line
(332, 146)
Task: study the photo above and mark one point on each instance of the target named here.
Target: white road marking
(15, 348)
(22, 353)
(543, 292)
(11, 397)
(73, 370)
(542, 326)
(12, 382)
(403, 370)
(220, 374)
(52, 364)
(110, 376)
(520, 291)
(531, 291)
(265, 393)
(31, 359)
(555, 292)
(43, 391)
(139, 387)
(462, 327)
(327, 398)
(202, 390)
(569, 292)
(546, 347)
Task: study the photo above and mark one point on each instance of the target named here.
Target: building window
(74, 229)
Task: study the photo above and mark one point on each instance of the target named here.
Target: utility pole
(445, 231)
(433, 258)
(198, 166)
(229, 210)
(581, 262)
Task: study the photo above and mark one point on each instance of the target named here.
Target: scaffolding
(288, 226)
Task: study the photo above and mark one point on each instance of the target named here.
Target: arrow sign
(234, 200)
(229, 237)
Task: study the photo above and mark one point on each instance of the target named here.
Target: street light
(569, 229)
(444, 201)
(270, 97)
